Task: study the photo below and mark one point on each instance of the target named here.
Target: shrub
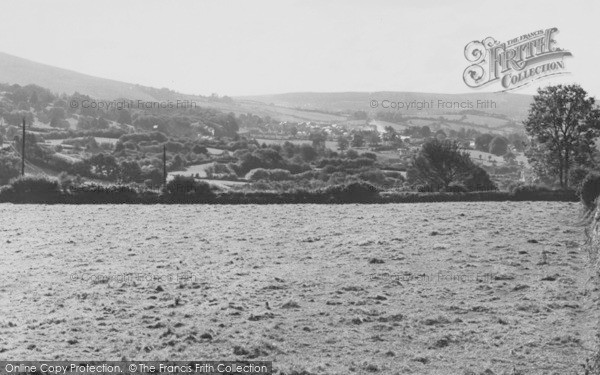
(352, 154)
(352, 192)
(456, 188)
(530, 191)
(374, 176)
(67, 182)
(9, 168)
(35, 185)
(94, 193)
(425, 189)
(184, 188)
(35, 189)
(369, 155)
(515, 184)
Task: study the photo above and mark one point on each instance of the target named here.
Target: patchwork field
(454, 288)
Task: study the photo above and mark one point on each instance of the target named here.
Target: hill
(293, 107)
(508, 105)
(16, 70)
(23, 72)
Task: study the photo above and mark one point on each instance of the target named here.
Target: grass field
(332, 145)
(386, 289)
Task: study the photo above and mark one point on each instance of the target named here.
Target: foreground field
(391, 289)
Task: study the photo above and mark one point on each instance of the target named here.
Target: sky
(252, 47)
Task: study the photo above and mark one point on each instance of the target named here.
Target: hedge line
(50, 193)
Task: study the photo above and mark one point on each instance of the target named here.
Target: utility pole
(165, 165)
(23, 150)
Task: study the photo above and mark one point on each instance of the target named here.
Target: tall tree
(342, 143)
(441, 163)
(357, 140)
(498, 146)
(562, 122)
(482, 142)
(318, 139)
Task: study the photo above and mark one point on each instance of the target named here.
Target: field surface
(492, 288)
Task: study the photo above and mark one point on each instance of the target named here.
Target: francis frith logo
(514, 63)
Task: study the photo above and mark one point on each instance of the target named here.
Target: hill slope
(307, 106)
(513, 106)
(23, 72)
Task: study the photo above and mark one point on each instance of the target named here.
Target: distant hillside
(23, 72)
(294, 107)
(513, 106)
(16, 70)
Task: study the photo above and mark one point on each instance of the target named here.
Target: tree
(358, 140)
(441, 135)
(308, 152)
(124, 117)
(318, 139)
(509, 158)
(391, 137)
(57, 115)
(478, 180)
(425, 132)
(441, 163)
(374, 139)
(130, 171)
(104, 166)
(34, 100)
(498, 146)
(342, 143)
(562, 122)
(10, 167)
(482, 142)
(518, 141)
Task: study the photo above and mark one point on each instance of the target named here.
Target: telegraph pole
(164, 165)
(23, 150)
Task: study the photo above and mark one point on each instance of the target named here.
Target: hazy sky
(260, 47)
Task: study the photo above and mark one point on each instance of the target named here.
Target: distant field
(112, 141)
(332, 145)
(200, 169)
(99, 140)
(488, 121)
(381, 125)
(192, 170)
(214, 151)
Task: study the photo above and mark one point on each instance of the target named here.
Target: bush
(94, 193)
(351, 154)
(35, 189)
(515, 184)
(184, 188)
(35, 185)
(536, 192)
(425, 189)
(352, 192)
(529, 189)
(456, 188)
(67, 182)
(369, 155)
(9, 168)
(590, 189)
